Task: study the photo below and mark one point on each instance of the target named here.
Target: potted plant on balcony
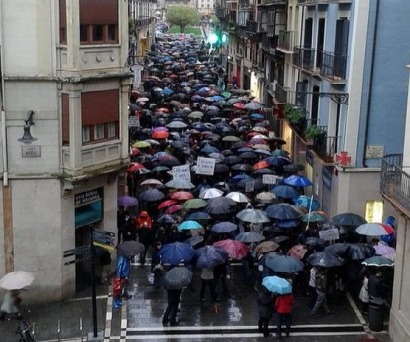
(292, 114)
(313, 132)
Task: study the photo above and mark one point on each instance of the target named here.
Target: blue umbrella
(238, 178)
(151, 195)
(166, 219)
(324, 259)
(277, 285)
(307, 202)
(284, 264)
(190, 224)
(296, 180)
(210, 256)
(177, 278)
(199, 215)
(208, 149)
(278, 161)
(217, 98)
(285, 191)
(256, 116)
(176, 253)
(167, 91)
(282, 212)
(287, 223)
(249, 237)
(224, 227)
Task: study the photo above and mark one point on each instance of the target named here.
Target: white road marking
(108, 319)
(359, 316)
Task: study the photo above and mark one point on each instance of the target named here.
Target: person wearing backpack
(321, 283)
(284, 306)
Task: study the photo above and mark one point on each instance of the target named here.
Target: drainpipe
(369, 97)
(3, 111)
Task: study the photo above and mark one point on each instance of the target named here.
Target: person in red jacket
(284, 307)
(145, 233)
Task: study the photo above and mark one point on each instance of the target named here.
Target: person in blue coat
(122, 272)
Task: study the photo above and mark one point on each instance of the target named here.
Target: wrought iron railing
(286, 40)
(394, 182)
(269, 42)
(325, 147)
(313, 2)
(333, 66)
(252, 26)
(304, 58)
(281, 94)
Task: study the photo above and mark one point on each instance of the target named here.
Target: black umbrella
(324, 259)
(210, 256)
(282, 212)
(166, 219)
(242, 167)
(360, 251)
(348, 219)
(151, 195)
(224, 227)
(130, 248)
(177, 278)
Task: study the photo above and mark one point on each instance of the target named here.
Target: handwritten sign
(249, 186)
(205, 166)
(269, 179)
(329, 235)
(181, 172)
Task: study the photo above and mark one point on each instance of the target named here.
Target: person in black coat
(265, 306)
(170, 315)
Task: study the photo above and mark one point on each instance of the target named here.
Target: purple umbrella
(127, 201)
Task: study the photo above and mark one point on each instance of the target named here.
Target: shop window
(374, 211)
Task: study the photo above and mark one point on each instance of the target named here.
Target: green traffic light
(213, 38)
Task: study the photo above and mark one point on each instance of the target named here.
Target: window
(65, 120)
(98, 131)
(100, 122)
(63, 21)
(86, 134)
(98, 21)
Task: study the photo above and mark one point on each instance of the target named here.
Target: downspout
(3, 110)
(369, 97)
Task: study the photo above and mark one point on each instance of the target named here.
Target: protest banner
(205, 166)
(181, 172)
(329, 235)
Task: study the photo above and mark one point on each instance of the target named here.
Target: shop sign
(88, 197)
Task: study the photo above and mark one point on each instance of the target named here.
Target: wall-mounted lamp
(27, 138)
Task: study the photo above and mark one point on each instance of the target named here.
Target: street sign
(76, 251)
(101, 232)
(107, 247)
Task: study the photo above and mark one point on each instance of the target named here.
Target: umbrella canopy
(210, 193)
(281, 212)
(198, 215)
(284, 264)
(249, 237)
(224, 227)
(238, 197)
(167, 203)
(130, 248)
(176, 253)
(181, 195)
(378, 261)
(166, 219)
(179, 183)
(314, 216)
(190, 224)
(127, 201)
(195, 203)
(374, 229)
(298, 251)
(235, 249)
(296, 180)
(210, 256)
(277, 285)
(265, 197)
(177, 278)
(360, 251)
(307, 202)
(173, 209)
(285, 191)
(252, 215)
(385, 250)
(176, 124)
(151, 181)
(266, 246)
(151, 195)
(16, 280)
(348, 219)
(324, 259)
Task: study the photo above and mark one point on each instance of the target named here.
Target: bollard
(59, 330)
(375, 317)
(81, 328)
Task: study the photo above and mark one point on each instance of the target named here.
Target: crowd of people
(186, 111)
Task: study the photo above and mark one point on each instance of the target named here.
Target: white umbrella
(16, 280)
(151, 181)
(210, 193)
(238, 197)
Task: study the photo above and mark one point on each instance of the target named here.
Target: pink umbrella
(173, 209)
(298, 251)
(235, 249)
(386, 251)
(159, 129)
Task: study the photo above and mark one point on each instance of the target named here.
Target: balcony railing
(304, 58)
(252, 26)
(286, 40)
(325, 147)
(314, 2)
(270, 30)
(333, 66)
(394, 182)
(269, 42)
(281, 94)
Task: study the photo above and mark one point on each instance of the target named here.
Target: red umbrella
(261, 165)
(239, 105)
(173, 209)
(235, 249)
(160, 134)
(135, 151)
(181, 195)
(167, 203)
(134, 167)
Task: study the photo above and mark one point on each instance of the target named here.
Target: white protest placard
(329, 235)
(269, 179)
(205, 166)
(250, 186)
(181, 172)
(133, 121)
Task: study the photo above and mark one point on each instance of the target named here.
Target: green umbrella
(141, 144)
(314, 217)
(226, 94)
(195, 203)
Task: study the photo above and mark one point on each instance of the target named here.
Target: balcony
(282, 94)
(252, 26)
(270, 30)
(333, 66)
(321, 2)
(304, 58)
(395, 183)
(269, 43)
(325, 147)
(286, 41)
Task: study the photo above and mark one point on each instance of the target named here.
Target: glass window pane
(83, 33)
(98, 33)
(112, 130)
(112, 33)
(86, 134)
(99, 131)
